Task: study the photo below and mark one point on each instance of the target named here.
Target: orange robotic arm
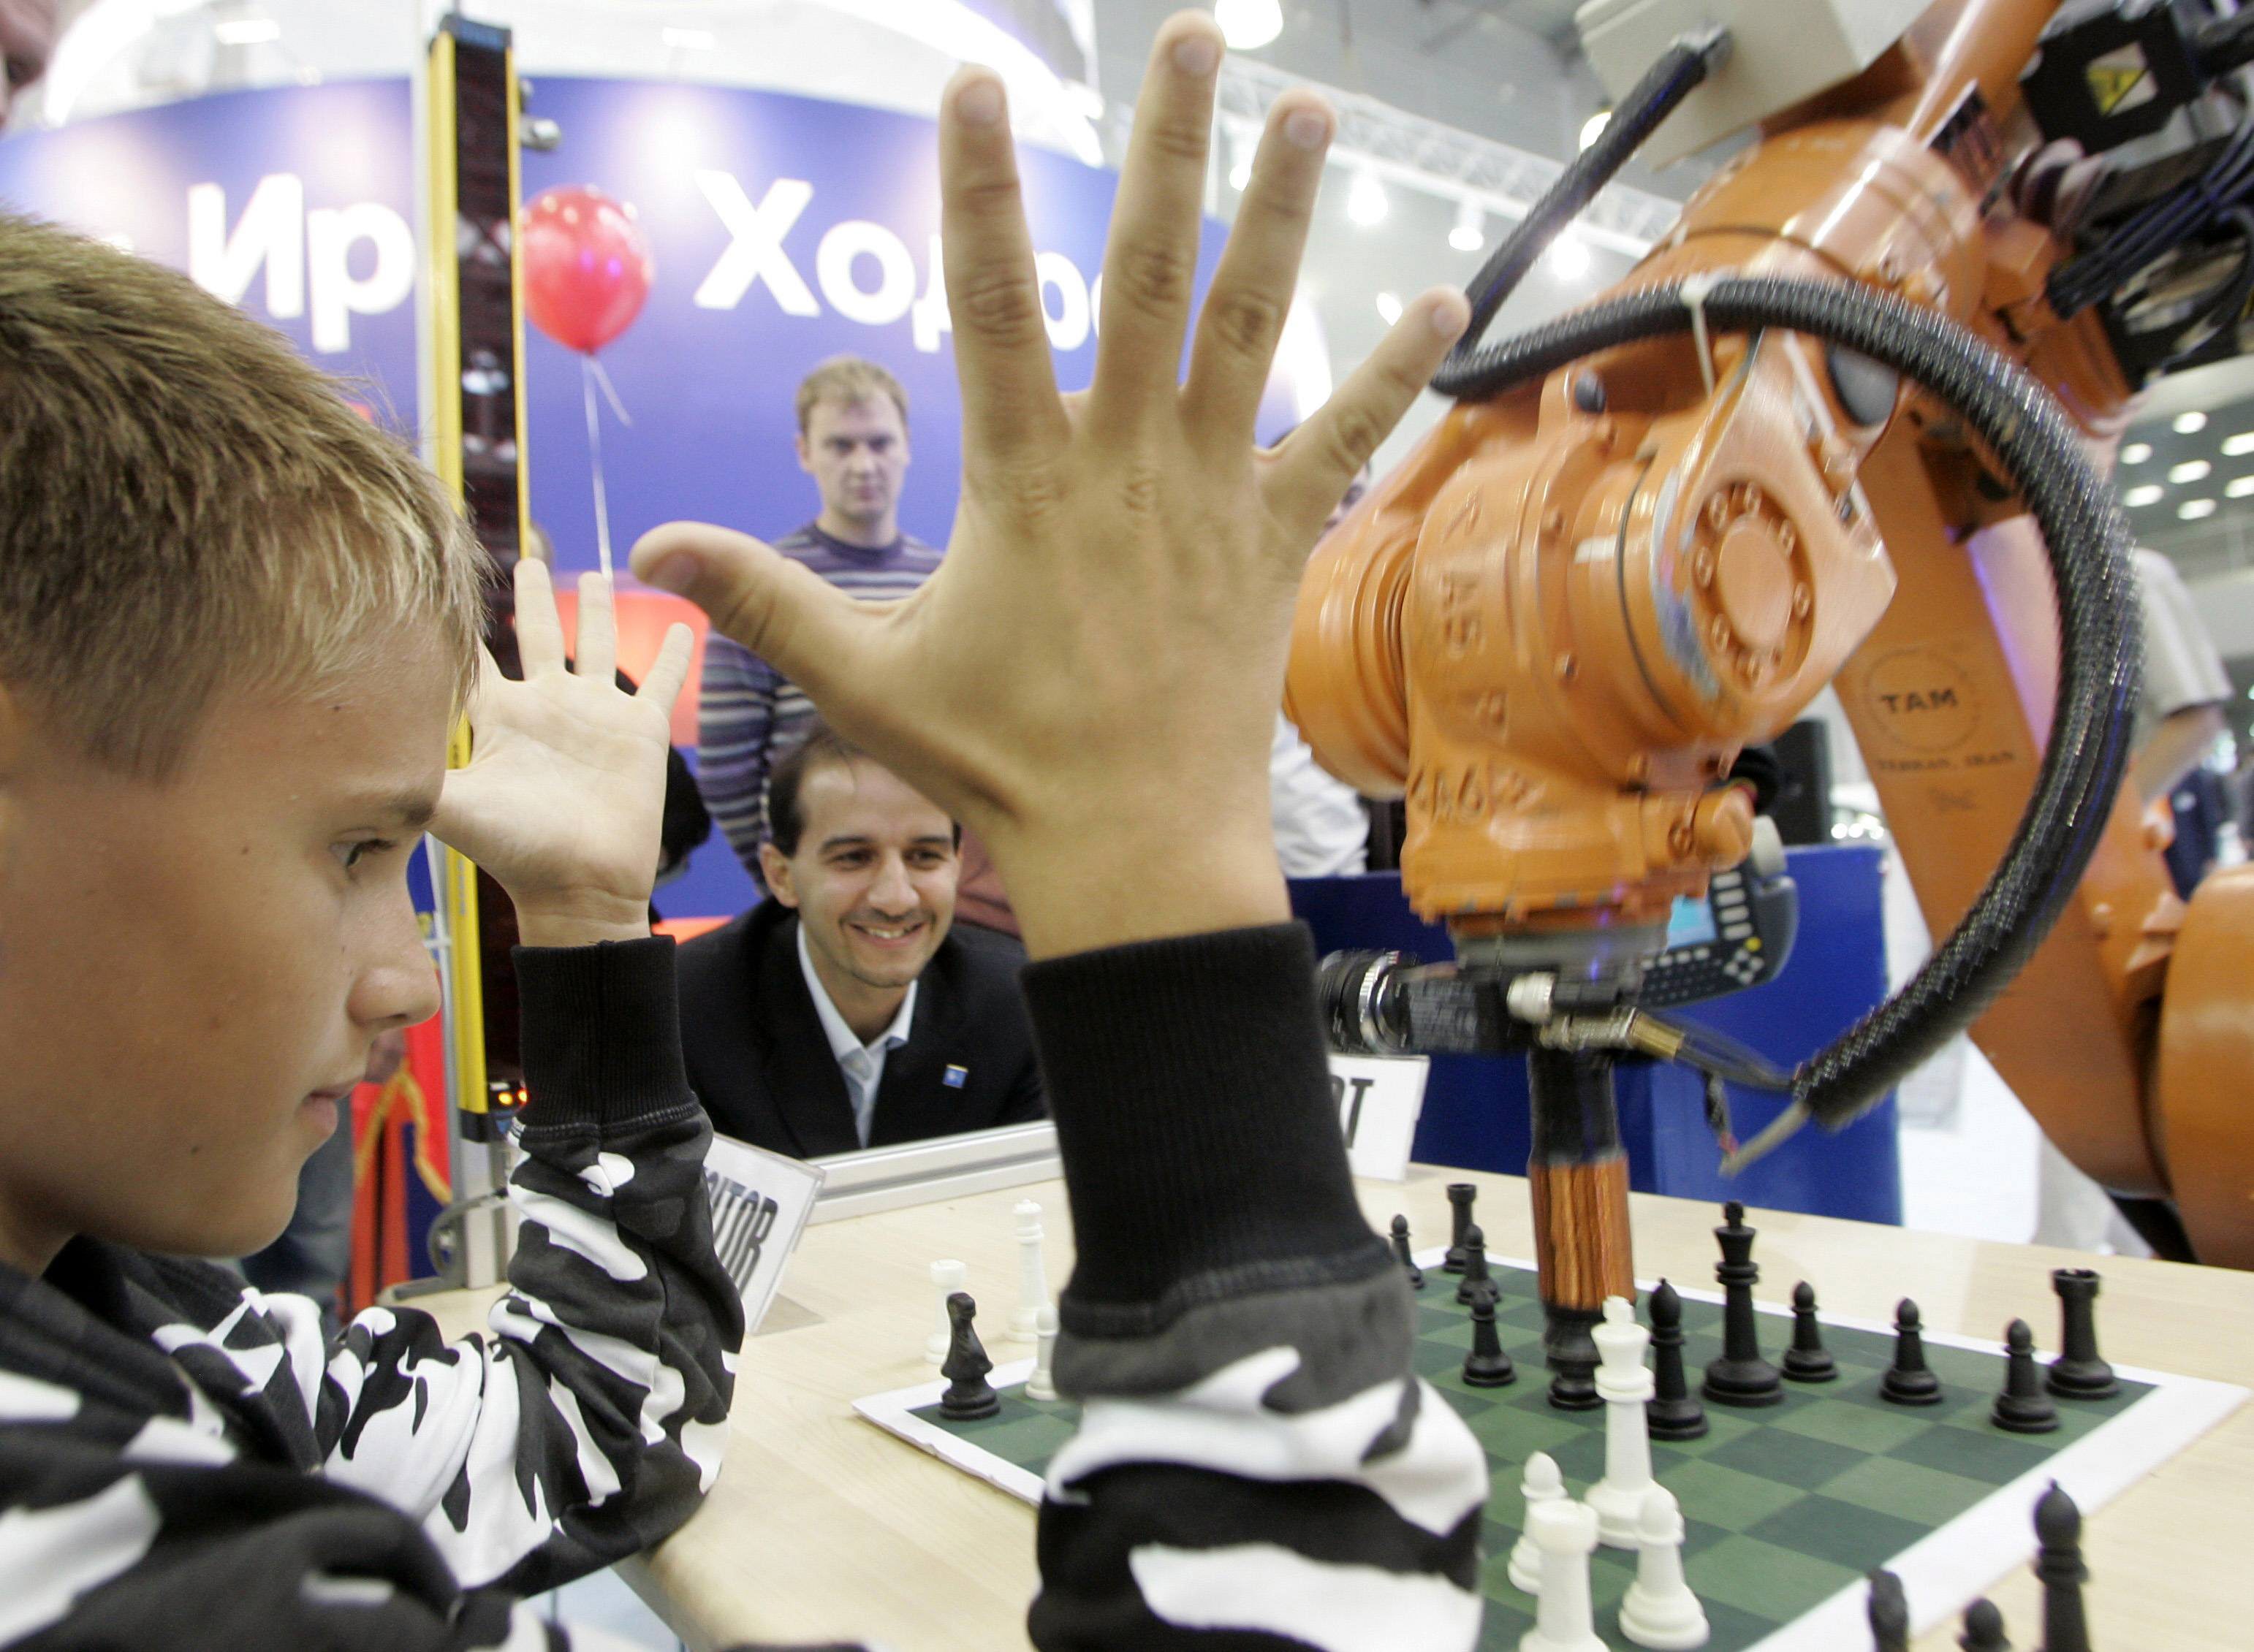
(1554, 625)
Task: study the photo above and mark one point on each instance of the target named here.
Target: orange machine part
(1509, 630)
(2206, 1056)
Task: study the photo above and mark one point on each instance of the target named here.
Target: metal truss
(1427, 155)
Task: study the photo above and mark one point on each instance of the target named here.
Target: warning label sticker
(2120, 80)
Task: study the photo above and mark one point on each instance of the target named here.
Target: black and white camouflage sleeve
(1256, 1464)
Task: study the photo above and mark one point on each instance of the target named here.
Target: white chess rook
(947, 1278)
(1541, 1484)
(1623, 1383)
(1565, 1531)
(1033, 1274)
(1659, 1611)
(1042, 1384)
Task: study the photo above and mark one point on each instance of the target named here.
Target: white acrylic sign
(1378, 1100)
(759, 1205)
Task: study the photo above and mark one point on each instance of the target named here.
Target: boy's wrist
(1077, 891)
(580, 917)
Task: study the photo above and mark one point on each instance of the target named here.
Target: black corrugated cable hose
(1650, 100)
(2087, 540)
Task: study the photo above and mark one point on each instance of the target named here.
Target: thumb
(782, 610)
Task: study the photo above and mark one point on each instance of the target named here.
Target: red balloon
(587, 267)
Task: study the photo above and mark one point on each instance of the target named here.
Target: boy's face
(857, 453)
(192, 973)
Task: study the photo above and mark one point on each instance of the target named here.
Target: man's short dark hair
(822, 745)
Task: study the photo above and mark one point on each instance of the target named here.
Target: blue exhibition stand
(1475, 1106)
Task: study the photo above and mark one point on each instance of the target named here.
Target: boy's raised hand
(1090, 680)
(563, 796)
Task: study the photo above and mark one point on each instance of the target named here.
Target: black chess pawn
(2022, 1407)
(1475, 1273)
(2058, 1564)
(1908, 1381)
(1401, 1254)
(1460, 1194)
(1741, 1377)
(1984, 1628)
(968, 1394)
(1486, 1365)
(1673, 1411)
(2077, 1373)
(1889, 1613)
(1807, 1360)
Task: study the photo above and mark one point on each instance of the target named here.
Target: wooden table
(821, 1525)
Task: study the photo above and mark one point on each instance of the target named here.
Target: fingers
(793, 619)
(539, 633)
(1244, 312)
(1318, 460)
(598, 630)
(668, 673)
(993, 295)
(1150, 260)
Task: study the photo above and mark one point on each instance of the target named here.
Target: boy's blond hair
(185, 502)
(847, 380)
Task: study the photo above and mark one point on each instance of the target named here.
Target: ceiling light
(1569, 257)
(1365, 202)
(2240, 445)
(2148, 494)
(2190, 470)
(2137, 452)
(1593, 128)
(2239, 486)
(1388, 305)
(1248, 25)
(1470, 233)
(687, 40)
(2190, 423)
(2192, 510)
(1242, 146)
(245, 30)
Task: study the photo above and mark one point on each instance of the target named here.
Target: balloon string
(595, 451)
(610, 391)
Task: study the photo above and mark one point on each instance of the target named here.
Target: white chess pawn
(947, 1278)
(1659, 1611)
(1541, 1484)
(1041, 1384)
(1565, 1621)
(1033, 1274)
(1623, 1383)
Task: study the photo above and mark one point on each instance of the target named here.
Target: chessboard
(1786, 1509)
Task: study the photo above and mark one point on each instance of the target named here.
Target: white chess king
(1623, 1383)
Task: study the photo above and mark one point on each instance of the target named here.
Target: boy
(229, 650)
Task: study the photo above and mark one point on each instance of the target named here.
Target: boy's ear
(805, 453)
(775, 865)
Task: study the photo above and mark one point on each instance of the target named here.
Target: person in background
(27, 41)
(1322, 830)
(853, 440)
(847, 1010)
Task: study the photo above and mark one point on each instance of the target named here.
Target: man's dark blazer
(760, 1063)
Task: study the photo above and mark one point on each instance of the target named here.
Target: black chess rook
(969, 1395)
(1908, 1381)
(1404, 1256)
(1460, 1194)
(1673, 1411)
(1486, 1365)
(1807, 1360)
(1741, 1377)
(2059, 1567)
(2023, 1408)
(2078, 1373)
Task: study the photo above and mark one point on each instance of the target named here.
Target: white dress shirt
(862, 1064)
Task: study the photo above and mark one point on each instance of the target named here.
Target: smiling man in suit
(846, 1011)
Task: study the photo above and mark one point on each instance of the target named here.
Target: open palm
(563, 796)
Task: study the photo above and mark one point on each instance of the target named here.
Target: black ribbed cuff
(1193, 1103)
(602, 1033)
